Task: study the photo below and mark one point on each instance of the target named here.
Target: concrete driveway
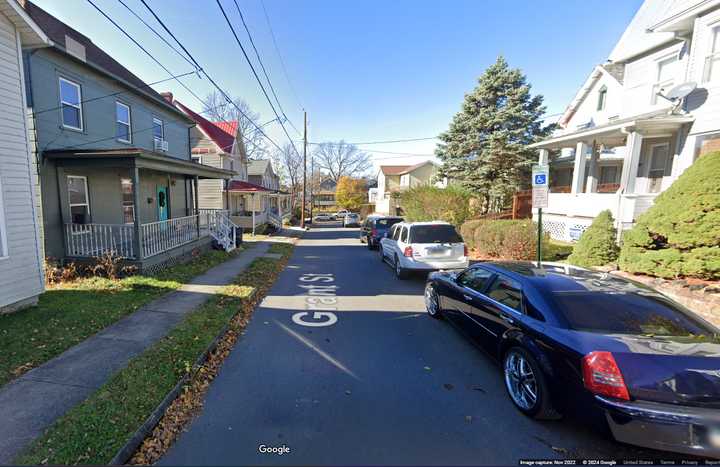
(369, 380)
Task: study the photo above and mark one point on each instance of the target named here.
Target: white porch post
(579, 168)
(253, 213)
(631, 162)
(593, 172)
(543, 156)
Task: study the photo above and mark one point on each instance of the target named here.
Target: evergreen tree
(485, 148)
(596, 246)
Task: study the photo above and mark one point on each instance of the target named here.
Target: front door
(659, 156)
(162, 203)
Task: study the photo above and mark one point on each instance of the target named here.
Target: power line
(257, 78)
(267, 77)
(207, 75)
(282, 62)
(160, 36)
(134, 88)
(381, 142)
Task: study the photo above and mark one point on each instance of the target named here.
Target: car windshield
(642, 314)
(386, 223)
(434, 233)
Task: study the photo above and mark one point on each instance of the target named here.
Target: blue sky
(371, 70)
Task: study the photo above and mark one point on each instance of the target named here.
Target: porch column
(631, 162)
(253, 214)
(136, 218)
(196, 202)
(579, 168)
(593, 170)
(543, 156)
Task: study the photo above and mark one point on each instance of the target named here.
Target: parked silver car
(423, 246)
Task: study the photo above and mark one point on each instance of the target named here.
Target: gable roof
(637, 39)
(30, 33)
(89, 53)
(258, 166)
(402, 169)
(221, 133)
(583, 92)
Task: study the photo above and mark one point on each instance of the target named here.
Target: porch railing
(93, 240)
(161, 236)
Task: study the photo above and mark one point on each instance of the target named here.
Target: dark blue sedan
(570, 338)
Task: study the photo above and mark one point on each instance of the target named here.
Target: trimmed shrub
(679, 236)
(467, 231)
(596, 246)
(429, 203)
(506, 239)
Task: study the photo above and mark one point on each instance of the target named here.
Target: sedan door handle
(508, 319)
(467, 297)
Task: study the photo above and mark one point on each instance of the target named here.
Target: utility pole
(312, 184)
(302, 209)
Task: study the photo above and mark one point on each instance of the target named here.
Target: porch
(253, 205)
(132, 204)
(620, 166)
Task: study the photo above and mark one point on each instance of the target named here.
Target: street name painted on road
(321, 300)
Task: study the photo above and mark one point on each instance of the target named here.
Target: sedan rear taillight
(408, 251)
(465, 250)
(602, 376)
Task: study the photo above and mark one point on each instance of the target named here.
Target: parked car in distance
(351, 220)
(323, 218)
(614, 350)
(374, 228)
(341, 214)
(423, 246)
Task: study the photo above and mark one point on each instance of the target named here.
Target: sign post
(540, 181)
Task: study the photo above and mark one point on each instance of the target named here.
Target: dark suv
(375, 227)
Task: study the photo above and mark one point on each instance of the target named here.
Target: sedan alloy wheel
(521, 381)
(432, 301)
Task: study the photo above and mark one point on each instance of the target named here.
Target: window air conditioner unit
(161, 145)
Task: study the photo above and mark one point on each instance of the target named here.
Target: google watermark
(274, 450)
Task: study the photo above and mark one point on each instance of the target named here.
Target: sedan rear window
(627, 313)
(439, 233)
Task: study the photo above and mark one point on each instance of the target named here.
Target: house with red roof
(250, 201)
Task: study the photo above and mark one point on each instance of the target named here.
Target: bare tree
(216, 107)
(341, 160)
(289, 164)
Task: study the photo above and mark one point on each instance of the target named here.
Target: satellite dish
(680, 91)
(676, 95)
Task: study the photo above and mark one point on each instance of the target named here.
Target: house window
(122, 125)
(712, 60)
(196, 159)
(608, 174)
(602, 97)
(158, 129)
(128, 201)
(79, 199)
(405, 180)
(665, 77)
(70, 103)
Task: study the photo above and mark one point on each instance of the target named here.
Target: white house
(21, 254)
(621, 142)
(392, 179)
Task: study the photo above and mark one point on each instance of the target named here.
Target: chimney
(168, 96)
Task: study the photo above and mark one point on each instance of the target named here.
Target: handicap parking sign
(540, 179)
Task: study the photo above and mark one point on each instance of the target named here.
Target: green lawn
(70, 313)
(93, 431)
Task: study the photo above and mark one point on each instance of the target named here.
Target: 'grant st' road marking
(321, 301)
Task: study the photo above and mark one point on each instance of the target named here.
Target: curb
(126, 452)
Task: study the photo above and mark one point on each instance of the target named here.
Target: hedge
(679, 236)
(429, 203)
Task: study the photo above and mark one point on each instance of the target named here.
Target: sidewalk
(31, 403)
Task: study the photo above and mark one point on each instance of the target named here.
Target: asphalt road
(384, 384)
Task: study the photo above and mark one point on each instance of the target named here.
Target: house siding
(21, 276)
(46, 66)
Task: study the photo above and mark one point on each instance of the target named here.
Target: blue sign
(575, 233)
(540, 179)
